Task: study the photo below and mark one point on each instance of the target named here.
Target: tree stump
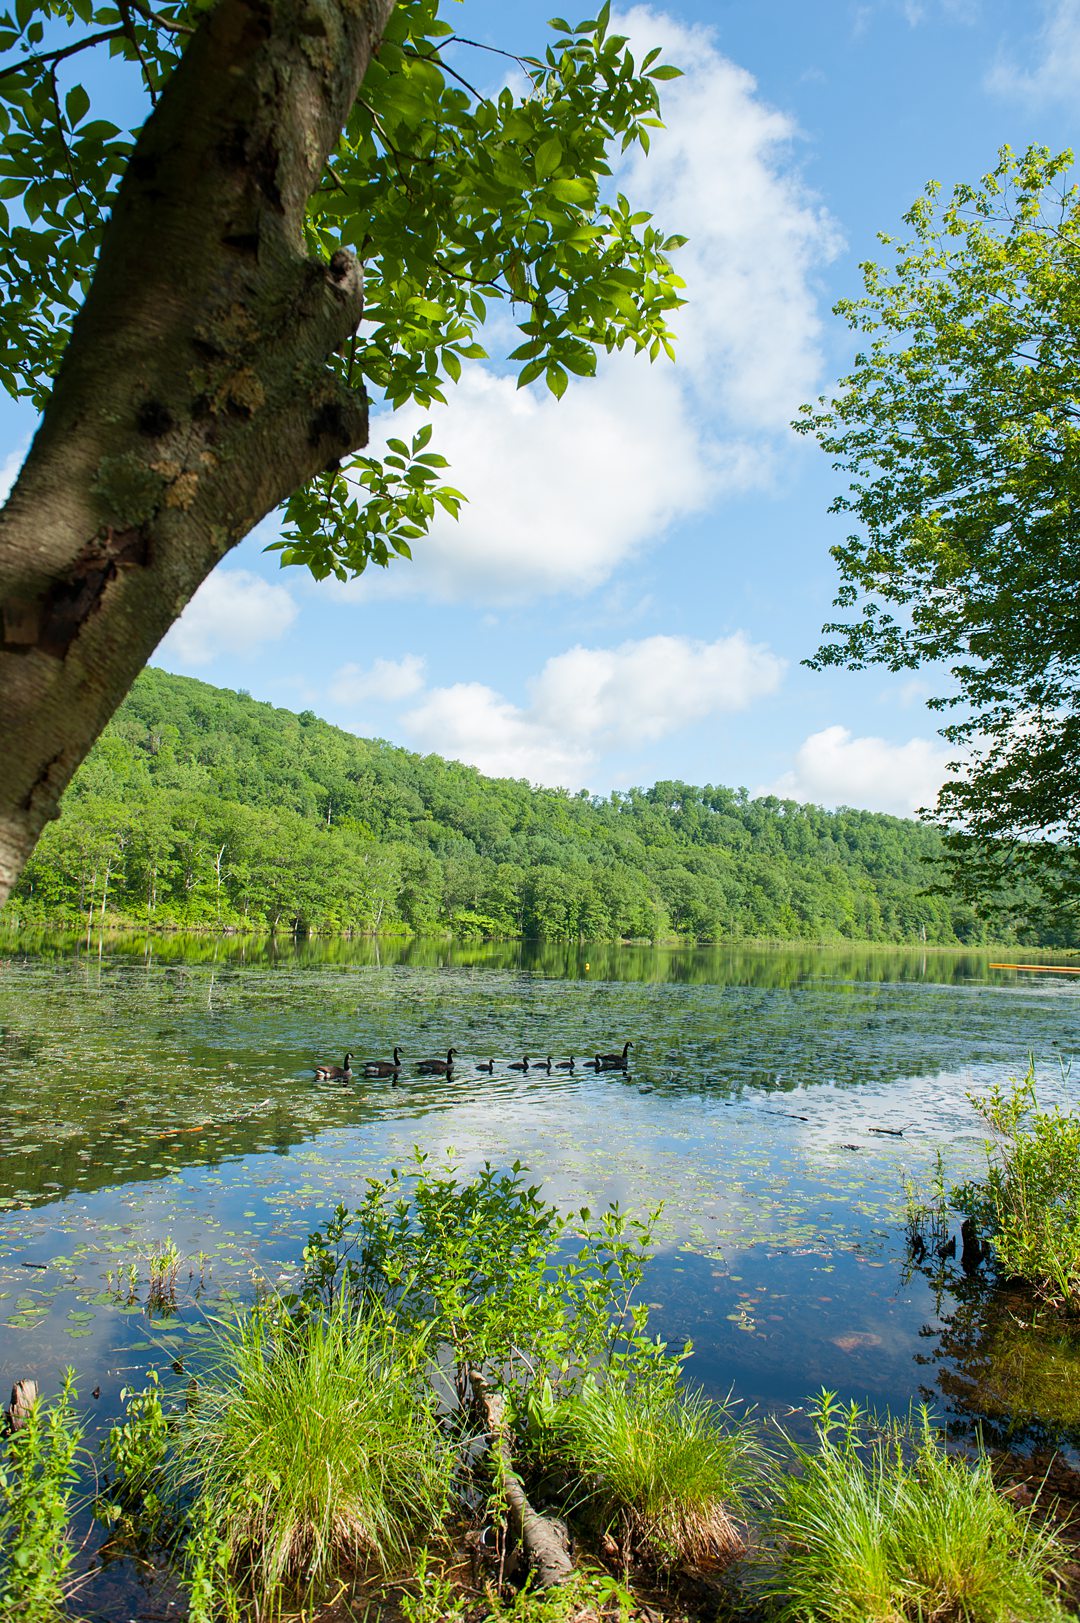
(24, 1394)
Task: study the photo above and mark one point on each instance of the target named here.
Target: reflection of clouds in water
(772, 1205)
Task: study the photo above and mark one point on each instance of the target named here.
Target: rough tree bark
(194, 394)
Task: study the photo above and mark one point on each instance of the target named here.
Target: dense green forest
(201, 807)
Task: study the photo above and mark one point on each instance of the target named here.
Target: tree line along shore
(201, 808)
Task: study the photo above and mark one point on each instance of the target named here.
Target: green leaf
(548, 157)
(571, 190)
(77, 105)
(556, 380)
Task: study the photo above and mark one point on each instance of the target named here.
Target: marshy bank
(464, 1398)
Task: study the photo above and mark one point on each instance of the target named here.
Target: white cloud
(386, 679)
(644, 690)
(722, 173)
(561, 493)
(233, 612)
(588, 700)
(834, 768)
(471, 722)
(1052, 70)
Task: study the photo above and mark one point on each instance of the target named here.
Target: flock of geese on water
(374, 1068)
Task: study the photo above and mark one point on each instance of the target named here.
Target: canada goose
(486, 1065)
(542, 1065)
(334, 1073)
(608, 1062)
(566, 1064)
(383, 1067)
(438, 1067)
(521, 1064)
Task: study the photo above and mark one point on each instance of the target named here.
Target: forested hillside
(202, 807)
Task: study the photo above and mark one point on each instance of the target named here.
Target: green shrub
(135, 1453)
(663, 1467)
(312, 1446)
(1028, 1205)
(878, 1524)
(38, 1473)
(493, 1275)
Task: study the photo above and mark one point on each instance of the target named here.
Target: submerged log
(24, 1395)
(542, 1539)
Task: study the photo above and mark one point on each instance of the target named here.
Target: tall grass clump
(1028, 1205)
(660, 1465)
(313, 1446)
(38, 1473)
(878, 1524)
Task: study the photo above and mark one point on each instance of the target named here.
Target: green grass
(313, 1448)
(878, 1524)
(665, 1468)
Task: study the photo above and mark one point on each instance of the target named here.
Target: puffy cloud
(561, 492)
(1052, 71)
(588, 700)
(834, 768)
(721, 173)
(644, 690)
(471, 722)
(233, 612)
(386, 679)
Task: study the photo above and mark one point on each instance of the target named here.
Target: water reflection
(780, 966)
(1003, 1369)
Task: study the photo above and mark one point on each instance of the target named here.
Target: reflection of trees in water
(1002, 1368)
(733, 964)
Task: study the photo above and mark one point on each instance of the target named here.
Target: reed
(313, 1448)
(879, 1524)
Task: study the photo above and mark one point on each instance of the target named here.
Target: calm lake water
(163, 1091)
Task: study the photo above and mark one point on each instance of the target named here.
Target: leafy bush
(38, 1472)
(1028, 1204)
(485, 1269)
(879, 1524)
(312, 1445)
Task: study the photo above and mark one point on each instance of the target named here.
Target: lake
(161, 1090)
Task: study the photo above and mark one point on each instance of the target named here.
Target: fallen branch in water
(543, 1542)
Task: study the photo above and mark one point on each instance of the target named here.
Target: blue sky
(642, 566)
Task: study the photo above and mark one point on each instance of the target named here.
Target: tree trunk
(194, 394)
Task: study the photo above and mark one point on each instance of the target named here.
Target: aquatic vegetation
(312, 1445)
(879, 1524)
(926, 1215)
(492, 1274)
(662, 1467)
(135, 1456)
(432, 1596)
(38, 1475)
(1027, 1206)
